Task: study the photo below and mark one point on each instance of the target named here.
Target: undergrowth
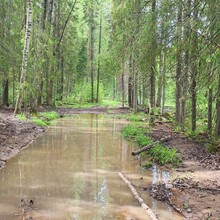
(163, 155)
(49, 116)
(137, 133)
(38, 121)
(41, 119)
(159, 153)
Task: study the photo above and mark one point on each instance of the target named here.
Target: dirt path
(194, 188)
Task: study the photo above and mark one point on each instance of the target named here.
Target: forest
(156, 62)
(145, 54)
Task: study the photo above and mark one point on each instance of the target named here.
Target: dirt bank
(15, 135)
(194, 187)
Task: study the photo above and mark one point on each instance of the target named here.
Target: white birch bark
(25, 57)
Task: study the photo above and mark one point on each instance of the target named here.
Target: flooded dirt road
(70, 173)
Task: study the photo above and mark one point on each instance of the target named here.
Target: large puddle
(70, 173)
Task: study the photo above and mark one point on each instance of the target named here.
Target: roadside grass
(40, 119)
(49, 116)
(138, 133)
(163, 155)
(160, 154)
(21, 117)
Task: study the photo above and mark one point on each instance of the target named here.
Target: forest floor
(193, 189)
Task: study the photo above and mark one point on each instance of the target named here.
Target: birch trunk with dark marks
(25, 57)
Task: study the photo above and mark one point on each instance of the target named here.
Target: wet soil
(15, 135)
(193, 189)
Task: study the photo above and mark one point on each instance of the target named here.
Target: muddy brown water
(70, 173)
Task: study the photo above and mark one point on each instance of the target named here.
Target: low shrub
(163, 155)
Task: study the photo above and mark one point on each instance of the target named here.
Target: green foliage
(50, 115)
(82, 94)
(38, 121)
(163, 155)
(110, 103)
(136, 117)
(213, 145)
(137, 133)
(22, 117)
(41, 119)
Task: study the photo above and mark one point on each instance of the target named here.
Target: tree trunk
(154, 54)
(123, 84)
(179, 65)
(91, 48)
(99, 52)
(217, 126)
(210, 111)
(160, 81)
(135, 91)
(164, 80)
(130, 84)
(20, 97)
(194, 68)
(143, 92)
(185, 76)
(5, 101)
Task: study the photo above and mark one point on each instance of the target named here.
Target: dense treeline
(143, 53)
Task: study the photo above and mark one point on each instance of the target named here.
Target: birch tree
(25, 57)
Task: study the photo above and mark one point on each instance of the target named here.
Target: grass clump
(39, 122)
(163, 155)
(40, 119)
(137, 133)
(135, 117)
(21, 117)
(49, 116)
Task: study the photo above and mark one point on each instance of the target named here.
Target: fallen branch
(134, 153)
(176, 208)
(146, 208)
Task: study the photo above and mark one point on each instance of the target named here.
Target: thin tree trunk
(160, 81)
(164, 80)
(130, 84)
(194, 69)
(217, 126)
(135, 88)
(153, 58)
(99, 52)
(185, 76)
(143, 92)
(123, 84)
(91, 49)
(5, 92)
(20, 97)
(210, 111)
(179, 65)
